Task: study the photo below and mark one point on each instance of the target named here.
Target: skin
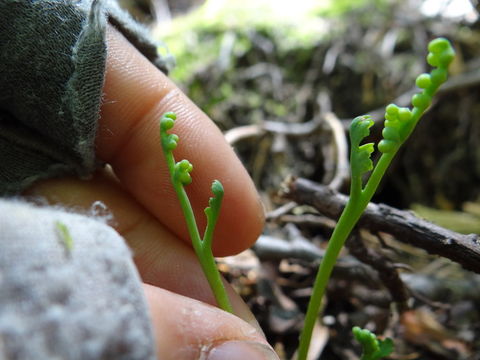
(137, 191)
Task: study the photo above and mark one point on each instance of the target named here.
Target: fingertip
(188, 329)
(136, 96)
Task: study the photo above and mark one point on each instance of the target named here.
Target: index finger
(136, 95)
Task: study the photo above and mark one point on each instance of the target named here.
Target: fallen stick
(403, 225)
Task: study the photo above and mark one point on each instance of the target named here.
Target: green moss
(200, 37)
(458, 221)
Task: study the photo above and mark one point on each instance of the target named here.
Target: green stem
(344, 226)
(376, 176)
(214, 279)
(356, 204)
(399, 125)
(202, 247)
(203, 250)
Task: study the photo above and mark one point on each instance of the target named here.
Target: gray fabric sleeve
(55, 303)
(60, 300)
(52, 63)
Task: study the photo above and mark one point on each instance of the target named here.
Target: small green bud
(391, 133)
(438, 45)
(432, 60)
(167, 124)
(421, 101)
(439, 76)
(392, 109)
(390, 118)
(424, 81)
(185, 165)
(446, 58)
(171, 142)
(168, 141)
(170, 115)
(182, 172)
(167, 121)
(387, 146)
(404, 114)
(185, 178)
(367, 339)
(372, 347)
(441, 53)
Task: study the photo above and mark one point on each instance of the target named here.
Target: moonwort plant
(180, 177)
(399, 124)
(373, 348)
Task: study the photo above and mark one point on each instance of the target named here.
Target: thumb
(189, 329)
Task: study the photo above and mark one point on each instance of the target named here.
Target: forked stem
(180, 176)
(399, 124)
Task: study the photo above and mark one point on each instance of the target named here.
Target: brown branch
(387, 271)
(404, 225)
(348, 267)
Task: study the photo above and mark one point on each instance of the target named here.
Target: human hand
(148, 216)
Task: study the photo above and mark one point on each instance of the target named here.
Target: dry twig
(387, 271)
(404, 225)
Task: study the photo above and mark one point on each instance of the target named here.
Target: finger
(187, 329)
(136, 95)
(161, 258)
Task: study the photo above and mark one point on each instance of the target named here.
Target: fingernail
(242, 350)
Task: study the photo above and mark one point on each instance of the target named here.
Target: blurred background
(283, 79)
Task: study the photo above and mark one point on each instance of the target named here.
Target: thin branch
(272, 248)
(342, 169)
(386, 270)
(275, 127)
(280, 211)
(404, 225)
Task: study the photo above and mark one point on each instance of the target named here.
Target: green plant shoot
(399, 124)
(180, 176)
(373, 348)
